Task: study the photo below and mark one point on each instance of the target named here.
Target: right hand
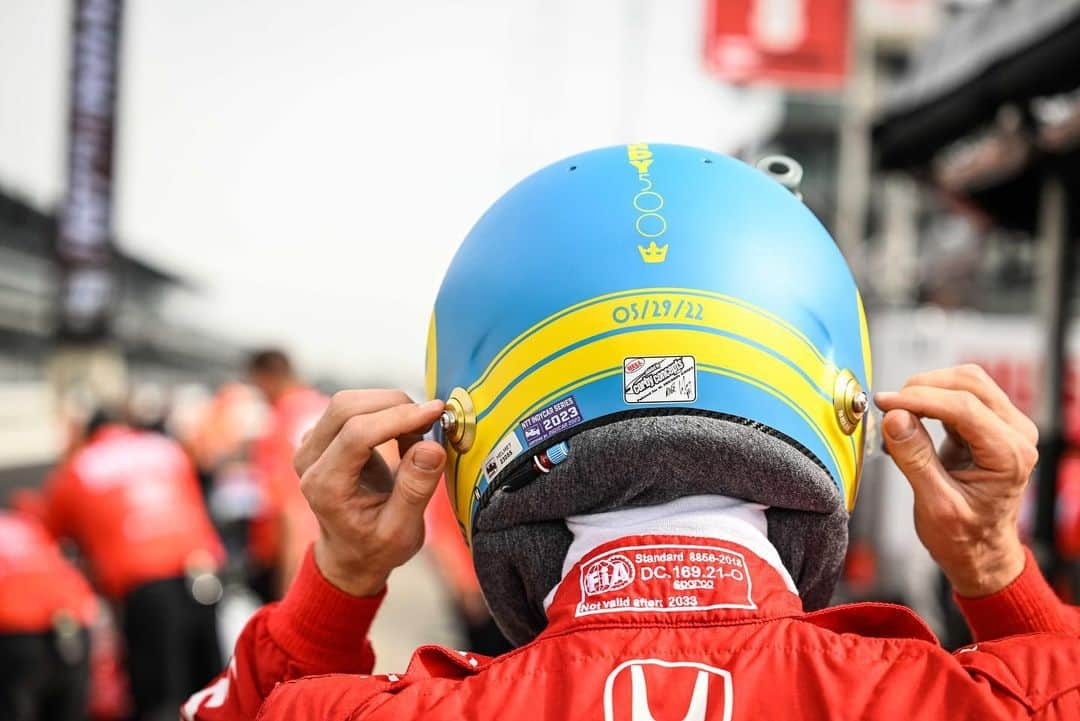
(967, 493)
(371, 520)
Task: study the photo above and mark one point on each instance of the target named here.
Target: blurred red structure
(796, 44)
(445, 542)
(1020, 379)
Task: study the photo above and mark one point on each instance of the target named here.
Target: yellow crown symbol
(654, 253)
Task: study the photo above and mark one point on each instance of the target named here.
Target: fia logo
(681, 691)
(607, 574)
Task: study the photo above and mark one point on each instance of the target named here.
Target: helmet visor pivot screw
(784, 170)
(458, 421)
(850, 401)
(447, 420)
(860, 403)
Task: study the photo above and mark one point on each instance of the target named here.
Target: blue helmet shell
(645, 278)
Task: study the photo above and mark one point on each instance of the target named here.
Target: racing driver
(653, 374)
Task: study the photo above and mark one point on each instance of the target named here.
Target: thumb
(912, 450)
(416, 479)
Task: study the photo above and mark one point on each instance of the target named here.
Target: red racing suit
(661, 628)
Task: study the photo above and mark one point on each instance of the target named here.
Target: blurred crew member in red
(285, 526)
(130, 500)
(654, 360)
(46, 607)
(451, 557)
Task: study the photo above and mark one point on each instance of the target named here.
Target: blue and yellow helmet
(645, 279)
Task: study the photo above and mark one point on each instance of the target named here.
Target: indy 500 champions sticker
(660, 379)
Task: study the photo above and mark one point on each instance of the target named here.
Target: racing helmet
(644, 284)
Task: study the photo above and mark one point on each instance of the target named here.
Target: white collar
(716, 517)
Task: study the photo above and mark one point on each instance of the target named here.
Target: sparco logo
(607, 574)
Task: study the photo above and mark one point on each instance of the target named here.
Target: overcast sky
(313, 165)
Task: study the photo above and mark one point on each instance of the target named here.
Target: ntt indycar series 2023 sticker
(660, 379)
(546, 422)
(665, 578)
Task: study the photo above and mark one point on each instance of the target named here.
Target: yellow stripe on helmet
(431, 369)
(520, 385)
(682, 306)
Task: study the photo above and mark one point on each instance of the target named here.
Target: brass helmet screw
(458, 421)
(850, 401)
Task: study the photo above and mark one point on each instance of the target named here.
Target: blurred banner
(900, 24)
(84, 225)
(796, 44)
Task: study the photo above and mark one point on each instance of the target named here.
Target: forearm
(315, 629)
(1027, 605)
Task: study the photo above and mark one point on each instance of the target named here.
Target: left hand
(967, 493)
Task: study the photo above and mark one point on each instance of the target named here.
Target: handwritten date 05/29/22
(647, 309)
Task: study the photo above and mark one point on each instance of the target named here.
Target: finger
(990, 439)
(973, 379)
(351, 464)
(354, 444)
(414, 484)
(343, 406)
(912, 450)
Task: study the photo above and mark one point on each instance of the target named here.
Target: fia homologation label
(664, 578)
(505, 451)
(660, 379)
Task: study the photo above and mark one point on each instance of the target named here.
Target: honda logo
(680, 691)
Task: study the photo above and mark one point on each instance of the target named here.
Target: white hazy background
(312, 166)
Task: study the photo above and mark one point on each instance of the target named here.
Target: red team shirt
(36, 581)
(291, 416)
(131, 500)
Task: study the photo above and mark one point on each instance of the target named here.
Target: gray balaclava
(521, 539)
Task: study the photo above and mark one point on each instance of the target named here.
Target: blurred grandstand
(154, 345)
